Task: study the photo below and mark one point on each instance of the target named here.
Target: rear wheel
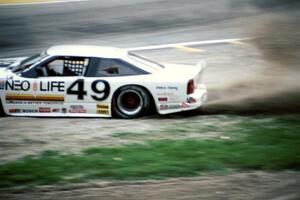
(130, 102)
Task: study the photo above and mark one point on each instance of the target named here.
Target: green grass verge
(271, 145)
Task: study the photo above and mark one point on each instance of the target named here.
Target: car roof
(86, 51)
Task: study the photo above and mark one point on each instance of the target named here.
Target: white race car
(91, 81)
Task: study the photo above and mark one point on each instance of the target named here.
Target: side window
(114, 67)
(64, 66)
(53, 68)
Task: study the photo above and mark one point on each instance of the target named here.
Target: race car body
(91, 81)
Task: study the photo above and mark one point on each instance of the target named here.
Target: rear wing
(200, 66)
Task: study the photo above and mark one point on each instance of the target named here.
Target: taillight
(190, 87)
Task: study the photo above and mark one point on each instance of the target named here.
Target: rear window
(107, 67)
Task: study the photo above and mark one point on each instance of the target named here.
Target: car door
(53, 82)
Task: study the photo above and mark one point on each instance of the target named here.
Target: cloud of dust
(277, 87)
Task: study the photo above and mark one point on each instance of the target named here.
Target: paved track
(28, 28)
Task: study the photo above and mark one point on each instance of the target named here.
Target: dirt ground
(73, 135)
(244, 186)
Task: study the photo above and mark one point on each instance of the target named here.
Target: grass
(265, 145)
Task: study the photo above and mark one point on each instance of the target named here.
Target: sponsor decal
(191, 100)
(17, 85)
(29, 110)
(102, 109)
(34, 102)
(184, 105)
(49, 86)
(30, 97)
(14, 110)
(58, 86)
(103, 112)
(77, 109)
(55, 110)
(103, 106)
(161, 87)
(44, 110)
(162, 99)
(171, 96)
(164, 107)
(166, 87)
(172, 88)
(169, 107)
(165, 94)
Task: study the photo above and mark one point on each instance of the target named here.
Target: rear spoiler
(202, 64)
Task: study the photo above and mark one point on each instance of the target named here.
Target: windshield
(25, 64)
(145, 61)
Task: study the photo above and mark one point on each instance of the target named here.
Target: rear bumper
(195, 100)
(191, 102)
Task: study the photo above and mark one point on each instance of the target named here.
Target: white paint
(173, 45)
(38, 3)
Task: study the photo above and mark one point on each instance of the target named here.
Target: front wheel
(130, 102)
(2, 113)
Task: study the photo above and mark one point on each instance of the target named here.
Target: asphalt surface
(26, 29)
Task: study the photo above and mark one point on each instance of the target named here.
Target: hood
(11, 62)
(2, 72)
(5, 73)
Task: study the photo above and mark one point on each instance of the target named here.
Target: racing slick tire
(130, 102)
(2, 113)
